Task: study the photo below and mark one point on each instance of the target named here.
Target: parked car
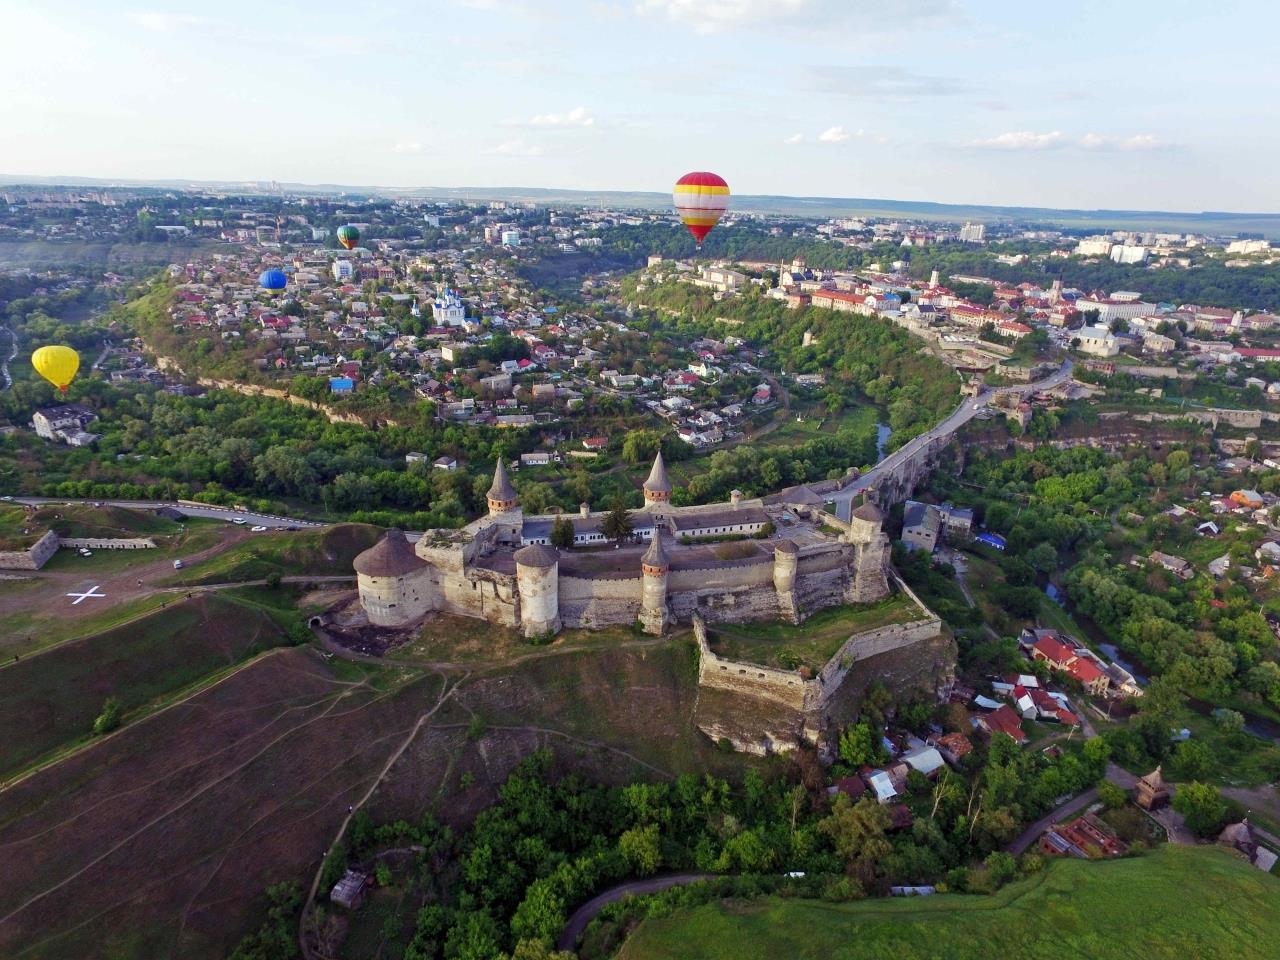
(177, 564)
(239, 520)
(258, 529)
(85, 552)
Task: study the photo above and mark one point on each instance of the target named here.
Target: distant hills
(1213, 222)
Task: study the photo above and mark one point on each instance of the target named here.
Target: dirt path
(446, 692)
(174, 808)
(121, 586)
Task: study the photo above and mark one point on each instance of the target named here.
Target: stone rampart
(32, 558)
(591, 602)
(780, 686)
(863, 646)
(101, 543)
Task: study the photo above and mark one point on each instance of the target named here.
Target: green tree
(1112, 795)
(639, 846)
(1202, 806)
(617, 525)
(562, 532)
(1001, 868)
(109, 718)
(857, 830)
(860, 746)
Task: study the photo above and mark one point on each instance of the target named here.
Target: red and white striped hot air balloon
(701, 199)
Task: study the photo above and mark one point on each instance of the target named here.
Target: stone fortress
(680, 562)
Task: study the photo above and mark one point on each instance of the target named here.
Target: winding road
(587, 912)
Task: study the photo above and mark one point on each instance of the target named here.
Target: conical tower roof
(868, 511)
(655, 556)
(501, 488)
(658, 481)
(392, 556)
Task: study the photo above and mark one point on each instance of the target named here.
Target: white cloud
(711, 16)
(1139, 141)
(408, 146)
(714, 16)
(1023, 140)
(164, 22)
(515, 148)
(577, 117)
(833, 135)
(794, 138)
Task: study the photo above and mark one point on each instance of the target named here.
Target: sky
(1123, 104)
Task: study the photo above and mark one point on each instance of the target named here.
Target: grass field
(84, 520)
(326, 552)
(50, 700)
(1174, 903)
(813, 642)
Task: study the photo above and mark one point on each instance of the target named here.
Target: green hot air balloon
(349, 236)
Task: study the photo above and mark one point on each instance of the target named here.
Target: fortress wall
(817, 590)
(833, 558)
(722, 578)
(106, 543)
(32, 558)
(864, 645)
(482, 594)
(588, 602)
(779, 686)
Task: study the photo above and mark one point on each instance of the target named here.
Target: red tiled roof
(1055, 650)
(1085, 671)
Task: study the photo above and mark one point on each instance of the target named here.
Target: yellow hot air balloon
(57, 364)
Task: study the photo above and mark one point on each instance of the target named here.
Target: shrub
(109, 718)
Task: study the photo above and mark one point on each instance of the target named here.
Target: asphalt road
(958, 418)
(587, 912)
(208, 513)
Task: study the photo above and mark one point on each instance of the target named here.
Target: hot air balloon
(349, 236)
(57, 364)
(701, 199)
(272, 281)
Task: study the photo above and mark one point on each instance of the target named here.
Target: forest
(864, 359)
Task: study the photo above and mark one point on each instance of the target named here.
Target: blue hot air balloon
(272, 281)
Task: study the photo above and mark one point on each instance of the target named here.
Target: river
(883, 432)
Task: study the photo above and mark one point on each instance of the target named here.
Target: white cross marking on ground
(91, 592)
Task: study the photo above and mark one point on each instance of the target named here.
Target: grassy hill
(50, 700)
(83, 520)
(1175, 902)
(327, 552)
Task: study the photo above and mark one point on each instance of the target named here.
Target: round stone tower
(657, 489)
(870, 581)
(502, 495)
(654, 569)
(785, 563)
(538, 580)
(390, 591)
(865, 521)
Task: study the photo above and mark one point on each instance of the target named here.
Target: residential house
(1074, 662)
(1002, 720)
(1175, 565)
